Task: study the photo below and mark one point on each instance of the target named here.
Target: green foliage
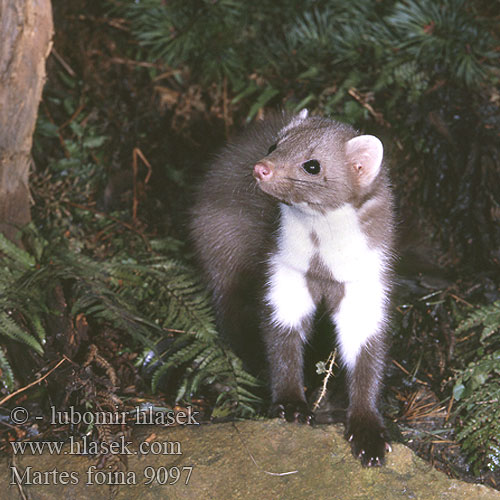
(309, 46)
(138, 287)
(168, 292)
(477, 389)
(442, 36)
(16, 299)
(6, 374)
(176, 31)
(145, 297)
(489, 318)
(421, 68)
(70, 162)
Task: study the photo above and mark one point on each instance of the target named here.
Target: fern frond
(10, 328)
(479, 403)
(23, 259)
(477, 390)
(486, 316)
(7, 375)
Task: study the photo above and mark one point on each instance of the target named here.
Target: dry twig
(31, 384)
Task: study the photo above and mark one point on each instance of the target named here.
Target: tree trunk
(25, 42)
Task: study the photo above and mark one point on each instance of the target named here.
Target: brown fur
(234, 225)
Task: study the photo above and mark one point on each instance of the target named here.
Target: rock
(243, 460)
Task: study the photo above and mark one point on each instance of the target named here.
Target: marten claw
(368, 442)
(297, 412)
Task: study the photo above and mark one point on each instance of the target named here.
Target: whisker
(307, 182)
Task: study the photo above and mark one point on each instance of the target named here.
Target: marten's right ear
(295, 121)
(364, 154)
(303, 114)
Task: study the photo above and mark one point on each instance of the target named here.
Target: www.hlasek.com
(85, 446)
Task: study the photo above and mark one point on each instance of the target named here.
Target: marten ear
(295, 121)
(364, 153)
(303, 114)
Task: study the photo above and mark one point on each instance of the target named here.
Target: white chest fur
(335, 236)
(343, 248)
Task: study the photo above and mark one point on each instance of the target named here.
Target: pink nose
(262, 172)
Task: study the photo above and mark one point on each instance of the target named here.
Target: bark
(25, 42)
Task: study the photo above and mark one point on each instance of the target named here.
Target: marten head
(319, 165)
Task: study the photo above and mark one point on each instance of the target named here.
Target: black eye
(271, 149)
(312, 167)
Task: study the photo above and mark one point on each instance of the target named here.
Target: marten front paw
(368, 441)
(292, 411)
